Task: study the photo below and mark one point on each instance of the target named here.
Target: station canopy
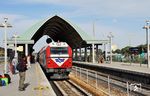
(59, 29)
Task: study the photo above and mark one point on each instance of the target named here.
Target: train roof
(58, 44)
(54, 44)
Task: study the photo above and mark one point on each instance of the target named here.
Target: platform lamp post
(93, 51)
(5, 25)
(147, 40)
(110, 36)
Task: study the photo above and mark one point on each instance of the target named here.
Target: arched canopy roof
(58, 29)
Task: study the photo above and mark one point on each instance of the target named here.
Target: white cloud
(11, 17)
(122, 37)
(41, 42)
(101, 7)
(92, 9)
(19, 23)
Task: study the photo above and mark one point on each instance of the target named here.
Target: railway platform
(136, 67)
(36, 83)
(128, 67)
(132, 72)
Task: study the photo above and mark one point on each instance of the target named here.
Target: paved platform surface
(135, 67)
(37, 83)
(130, 67)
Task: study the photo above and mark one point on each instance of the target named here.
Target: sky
(124, 18)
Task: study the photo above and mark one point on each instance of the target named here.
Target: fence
(105, 83)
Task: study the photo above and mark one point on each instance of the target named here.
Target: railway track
(144, 90)
(117, 85)
(68, 88)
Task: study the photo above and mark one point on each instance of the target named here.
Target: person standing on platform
(28, 61)
(22, 67)
(14, 63)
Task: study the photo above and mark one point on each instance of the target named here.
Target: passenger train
(56, 60)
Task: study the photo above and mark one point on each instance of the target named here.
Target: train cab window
(59, 50)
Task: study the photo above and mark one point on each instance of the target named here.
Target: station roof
(58, 29)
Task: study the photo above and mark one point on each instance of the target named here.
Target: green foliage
(125, 51)
(117, 51)
(127, 54)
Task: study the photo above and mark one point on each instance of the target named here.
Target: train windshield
(59, 50)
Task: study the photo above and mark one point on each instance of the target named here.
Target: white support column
(5, 68)
(93, 59)
(110, 50)
(5, 25)
(15, 37)
(26, 49)
(147, 24)
(110, 40)
(147, 27)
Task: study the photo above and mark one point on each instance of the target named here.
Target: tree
(143, 48)
(125, 50)
(117, 51)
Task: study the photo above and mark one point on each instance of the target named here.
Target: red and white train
(56, 60)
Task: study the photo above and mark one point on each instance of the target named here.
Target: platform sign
(135, 87)
(134, 50)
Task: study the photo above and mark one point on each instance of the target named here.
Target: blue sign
(59, 60)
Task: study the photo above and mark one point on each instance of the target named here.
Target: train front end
(58, 60)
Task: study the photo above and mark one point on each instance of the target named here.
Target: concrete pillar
(85, 54)
(26, 49)
(90, 58)
(96, 54)
(93, 53)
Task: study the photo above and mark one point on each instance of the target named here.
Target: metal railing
(105, 83)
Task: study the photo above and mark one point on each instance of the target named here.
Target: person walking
(14, 63)
(22, 67)
(28, 62)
